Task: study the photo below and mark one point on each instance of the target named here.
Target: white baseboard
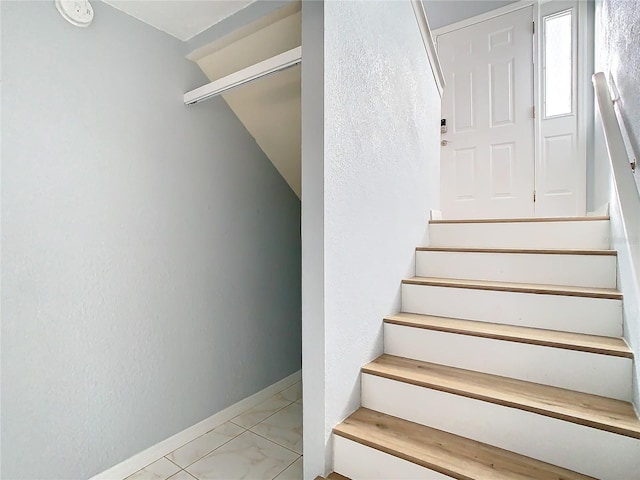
(160, 449)
(435, 215)
(602, 211)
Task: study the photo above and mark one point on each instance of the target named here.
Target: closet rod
(261, 69)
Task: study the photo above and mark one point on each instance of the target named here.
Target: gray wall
(445, 12)
(373, 189)
(150, 251)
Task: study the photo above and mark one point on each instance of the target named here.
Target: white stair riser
(587, 234)
(583, 449)
(604, 375)
(554, 269)
(597, 316)
(359, 462)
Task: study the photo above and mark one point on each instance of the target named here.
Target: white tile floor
(265, 443)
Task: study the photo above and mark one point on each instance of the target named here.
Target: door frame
(584, 103)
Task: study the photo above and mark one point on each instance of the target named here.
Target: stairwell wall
(150, 251)
(618, 55)
(381, 178)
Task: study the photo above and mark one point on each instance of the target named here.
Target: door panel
(463, 101)
(487, 166)
(560, 169)
(465, 166)
(502, 164)
(502, 90)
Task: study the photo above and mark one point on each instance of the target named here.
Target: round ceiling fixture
(76, 12)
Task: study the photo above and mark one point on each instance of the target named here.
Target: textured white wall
(381, 177)
(618, 53)
(617, 48)
(150, 251)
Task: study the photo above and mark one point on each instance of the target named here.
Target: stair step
(534, 251)
(613, 346)
(522, 220)
(452, 455)
(582, 233)
(551, 307)
(590, 292)
(602, 413)
(581, 268)
(534, 355)
(333, 476)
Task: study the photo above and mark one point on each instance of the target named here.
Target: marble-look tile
(247, 456)
(293, 393)
(158, 470)
(182, 475)
(294, 472)
(261, 411)
(198, 448)
(284, 428)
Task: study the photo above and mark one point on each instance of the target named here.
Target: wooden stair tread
(522, 220)
(613, 346)
(530, 251)
(592, 292)
(444, 452)
(607, 414)
(333, 476)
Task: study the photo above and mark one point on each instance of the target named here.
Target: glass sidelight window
(558, 64)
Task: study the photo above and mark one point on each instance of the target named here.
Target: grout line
(273, 441)
(279, 410)
(280, 473)
(196, 438)
(156, 460)
(264, 419)
(219, 446)
(183, 470)
(172, 460)
(138, 471)
(245, 429)
(169, 478)
(277, 393)
(289, 388)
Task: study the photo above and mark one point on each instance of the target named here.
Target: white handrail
(618, 156)
(625, 215)
(427, 38)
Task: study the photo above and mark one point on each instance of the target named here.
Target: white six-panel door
(487, 157)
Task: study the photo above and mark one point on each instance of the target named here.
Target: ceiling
(182, 19)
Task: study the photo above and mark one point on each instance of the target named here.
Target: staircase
(506, 361)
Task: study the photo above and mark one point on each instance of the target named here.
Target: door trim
(585, 95)
(512, 7)
(584, 101)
